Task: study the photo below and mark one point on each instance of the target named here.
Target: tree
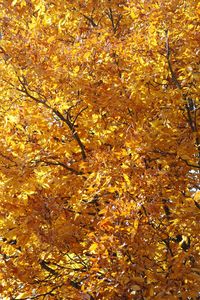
(100, 149)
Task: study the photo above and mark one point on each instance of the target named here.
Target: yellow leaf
(93, 247)
(103, 211)
(135, 288)
(127, 179)
(133, 15)
(76, 69)
(138, 279)
(14, 2)
(136, 222)
(87, 55)
(23, 3)
(197, 196)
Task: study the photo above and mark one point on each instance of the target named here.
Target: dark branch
(190, 103)
(41, 295)
(90, 19)
(189, 164)
(197, 204)
(110, 16)
(45, 266)
(79, 113)
(168, 54)
(73, 131)
(67, 120)
(58, 163)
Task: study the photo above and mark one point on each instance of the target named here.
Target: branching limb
(164, 153)
(115, 26)
(8, 158)
(73, 131)
(190, 103)
(79, 113)
(168, 54)
(6, 56)
(189, 164)
(67, 120)
(197, 204)
(90, 19)
(50, 293)
(58, 163)
(44, 265)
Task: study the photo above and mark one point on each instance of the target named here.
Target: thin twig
(79, 113)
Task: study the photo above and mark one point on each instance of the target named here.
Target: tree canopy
(100, 149)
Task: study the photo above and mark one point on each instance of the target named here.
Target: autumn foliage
(100, 149)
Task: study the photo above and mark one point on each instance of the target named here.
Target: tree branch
(67, 120)
(45, 266)
(40, 295)
(58, 163)
(110, 16)
(190, 103)
(168, 54)
(73, 131)
(91, 20)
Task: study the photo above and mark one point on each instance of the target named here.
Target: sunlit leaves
(99, 158)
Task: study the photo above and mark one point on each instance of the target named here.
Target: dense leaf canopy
(100, 149)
